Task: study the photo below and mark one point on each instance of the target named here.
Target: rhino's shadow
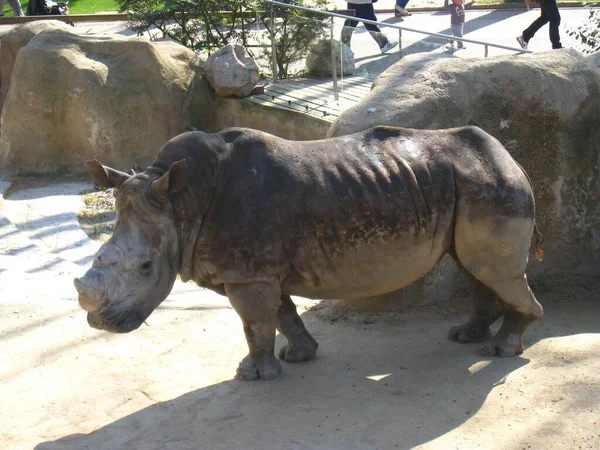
(373, 386)
(390, 384)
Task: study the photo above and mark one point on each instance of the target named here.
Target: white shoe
(401, 12)
(387, 47)
(522, 42)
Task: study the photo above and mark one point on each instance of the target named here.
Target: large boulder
(318, 61)
(544, 107)
(76, 97)
(12, 41)
(231, 71)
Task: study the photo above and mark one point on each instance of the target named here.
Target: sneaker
(522, 42)
(387, 47)
(461, 45)
(401, 12)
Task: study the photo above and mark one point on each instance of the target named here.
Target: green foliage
(295, 31)
(197, 24)
(75, 6)
(89, 6)
(202, 25)
(588, 33)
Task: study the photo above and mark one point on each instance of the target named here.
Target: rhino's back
(376, 214)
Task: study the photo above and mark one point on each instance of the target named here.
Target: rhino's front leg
(257, 305)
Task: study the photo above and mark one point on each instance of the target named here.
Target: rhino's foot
(295, 353)
(470, 332)
(264, 368)
(502, 345)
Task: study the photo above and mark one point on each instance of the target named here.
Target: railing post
(486, 50)
(334, 65)
(273, 46)
(400, 40)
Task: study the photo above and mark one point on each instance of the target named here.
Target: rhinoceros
(258, 218)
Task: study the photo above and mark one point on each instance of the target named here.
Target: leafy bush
(201, 25)
(588, 33)
(197, 24)
(295, 31)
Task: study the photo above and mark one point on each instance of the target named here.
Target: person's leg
(554, 19)
(1, 7)
(367, 12)
(401, 8)
(16, 7)
(350, 25)
(457, 30)
(535, 26)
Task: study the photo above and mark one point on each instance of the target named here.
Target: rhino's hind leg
(301, 345)
(486, 310)
(524, 310)
(257, 305)
(495, 252)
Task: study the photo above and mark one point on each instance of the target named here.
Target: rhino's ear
(105, 176)
(173, 180)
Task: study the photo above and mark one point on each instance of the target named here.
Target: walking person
(549, 14)
(457, 19)
(364, 10)
(400, 10)
(15, 5)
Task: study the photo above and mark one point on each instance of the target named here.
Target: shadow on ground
(420, 399)
(420, 43)
(380, 381)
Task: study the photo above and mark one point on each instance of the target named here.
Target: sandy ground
(380, 381)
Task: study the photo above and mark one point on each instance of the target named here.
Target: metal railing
(400, 28)
(403, 28)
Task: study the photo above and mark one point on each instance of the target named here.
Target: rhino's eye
(146, 266)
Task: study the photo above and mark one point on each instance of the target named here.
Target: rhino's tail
(539, 239)
(539, 242)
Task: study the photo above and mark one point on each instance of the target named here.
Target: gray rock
(78, 97)
(231, 71)
(12, 41)
(318, 62)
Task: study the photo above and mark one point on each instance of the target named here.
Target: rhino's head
(135, 270)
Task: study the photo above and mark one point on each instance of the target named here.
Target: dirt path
(380, 381)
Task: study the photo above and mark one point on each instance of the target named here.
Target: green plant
(207, 24)
(197, 24)
(75, 6)
(588, 33)
(294, 31)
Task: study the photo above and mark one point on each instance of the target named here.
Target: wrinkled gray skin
(258, 218)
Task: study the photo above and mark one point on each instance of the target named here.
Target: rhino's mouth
(120, 322)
